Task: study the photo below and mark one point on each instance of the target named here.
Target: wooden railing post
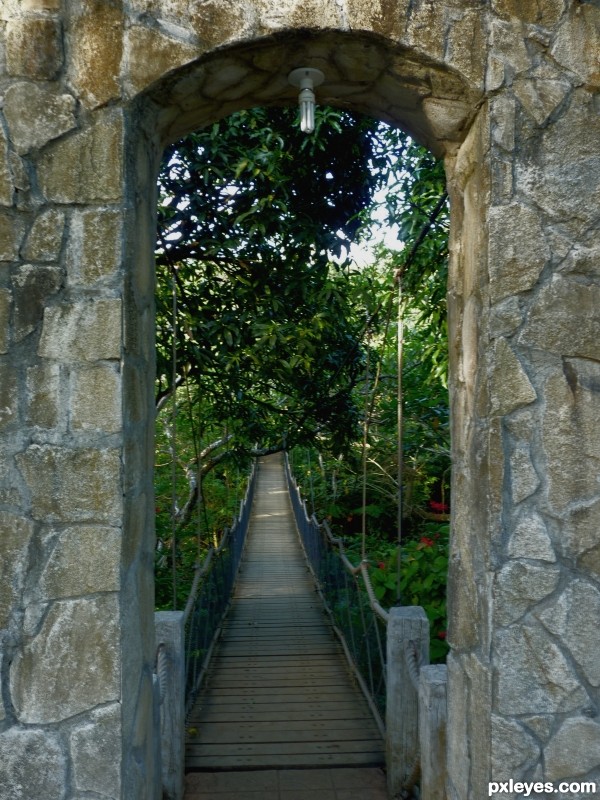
(170, 643)
(407, 632)
(156, 755)
(432, 731)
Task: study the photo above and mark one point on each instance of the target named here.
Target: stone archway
(509, 96)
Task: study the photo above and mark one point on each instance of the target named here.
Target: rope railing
(358, 618)
(210, 596)
(389, 651)
(184, 644)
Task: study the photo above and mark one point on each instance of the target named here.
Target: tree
(251, 212)
(268, 349)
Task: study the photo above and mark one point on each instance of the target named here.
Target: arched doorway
(364, 73)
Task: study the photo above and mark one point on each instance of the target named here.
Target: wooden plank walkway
(279, 693)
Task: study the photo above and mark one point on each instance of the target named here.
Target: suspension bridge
(287, 669)
(278, 693)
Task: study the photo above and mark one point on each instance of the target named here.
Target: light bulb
(306, 78)
(306, 101)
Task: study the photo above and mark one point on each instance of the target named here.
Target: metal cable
(209, 596)
(339, 581)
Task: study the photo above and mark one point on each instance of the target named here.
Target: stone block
(542, 12)
(514, 750)
(36, 115)
(524, 478)
(583, 260)
(557, 167)
(11, 234)
(530, 539)
(540, 725)
(510, 388)
(95, 399)
(532, 674)
(96, 753)
(505, 318)
(95, 243)
(32, 766)
(2, 704)
(577, 43)
(73, 485)
(573, 618)
(479, 700)
(9, 398)
(96, 49)
(503, 121)
(6, 182)
(40, 5)
(86, 166)
(565, 319)
(5, 307)
(466, 46)
(540, 98)
(16, 535)
(447, 118)
(167, 54)
(581, 532)
(509, 44)
(574, 749)
(44, 395)
(515, 261)
(85, 331)
(458, 750)
(379, 16)
(21, 180)
(432, 730)
(519, 586)
(84, 560)
(71, 665)
(34, 48)
(33, 286)
(220, 20)
(44, 240)
(570, 434)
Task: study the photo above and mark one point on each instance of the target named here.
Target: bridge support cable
(358, 619)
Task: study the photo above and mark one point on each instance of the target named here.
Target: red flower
(425, 540)
(440, 508)
(381, 564)
(442, 635)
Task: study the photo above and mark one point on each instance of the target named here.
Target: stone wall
(509, 93)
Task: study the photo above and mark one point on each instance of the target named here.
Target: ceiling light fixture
(306, 78)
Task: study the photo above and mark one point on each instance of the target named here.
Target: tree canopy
(251, 214)
(270, 336)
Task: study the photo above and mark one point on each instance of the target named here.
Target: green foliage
(282, 341)
(181, 434)
(251, 212)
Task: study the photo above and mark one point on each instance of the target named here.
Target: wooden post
(157, 757)
(432, 731)
(169, 628)
(408, 626)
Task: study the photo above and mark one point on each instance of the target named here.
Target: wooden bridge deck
(279, 693)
